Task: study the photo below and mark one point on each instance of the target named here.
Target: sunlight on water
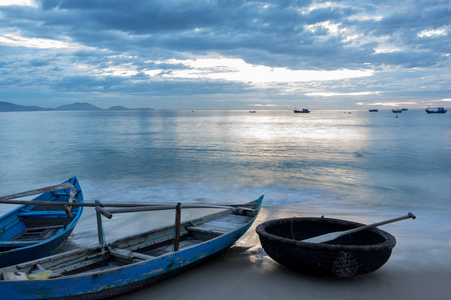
(361, 165)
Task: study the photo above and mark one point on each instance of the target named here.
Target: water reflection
(359, 155)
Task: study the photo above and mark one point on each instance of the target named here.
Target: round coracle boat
(350, 255)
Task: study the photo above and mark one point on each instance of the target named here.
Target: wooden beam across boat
(110, 212)
(128, 207)
(165, 207)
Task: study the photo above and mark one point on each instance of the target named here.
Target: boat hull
(116, 282)
(436, 111)
(14, 223)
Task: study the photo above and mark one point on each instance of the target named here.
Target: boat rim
(389, 242)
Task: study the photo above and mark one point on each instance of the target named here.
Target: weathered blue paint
(12, 224)
(104, 284)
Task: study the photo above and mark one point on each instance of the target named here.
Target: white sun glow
(233, 69)
(389, 104)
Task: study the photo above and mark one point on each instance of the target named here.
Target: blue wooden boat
(33, 231)
(131, 262)
(374, 110)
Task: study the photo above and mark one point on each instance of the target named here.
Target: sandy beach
(417, 269)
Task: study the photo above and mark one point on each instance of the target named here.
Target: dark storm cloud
(144, 35)
(229, 26)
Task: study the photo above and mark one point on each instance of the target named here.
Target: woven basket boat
(351, 255)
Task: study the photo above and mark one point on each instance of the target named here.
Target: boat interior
(34, 224)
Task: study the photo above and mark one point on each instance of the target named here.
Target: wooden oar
(335, 235)
(138, 204)
(143, 205)
(40, 191)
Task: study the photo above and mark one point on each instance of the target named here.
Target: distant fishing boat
(404, 109)
(252, 111)
(397, 111)
(33, 231)
(374, 110)
(438, 110)
(302, 111)
(132, 262)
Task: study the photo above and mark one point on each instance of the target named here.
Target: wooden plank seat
(129, 255)
(37, 233)
(33, 219)
(168, 248)
(220, 226)
(207, 229)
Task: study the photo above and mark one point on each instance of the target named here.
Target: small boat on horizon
(374, 110)
(252, 111)
(438, 110)
(397, 111)
(302, 111)
(404, 109)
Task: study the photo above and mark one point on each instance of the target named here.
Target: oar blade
(323, 238)
(334, 235)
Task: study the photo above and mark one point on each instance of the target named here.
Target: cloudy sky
(226, 54)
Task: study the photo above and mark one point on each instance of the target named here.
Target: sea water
(363, 166)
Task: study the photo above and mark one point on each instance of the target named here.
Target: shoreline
(417, 269)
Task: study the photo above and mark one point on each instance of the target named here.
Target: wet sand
(417, 269)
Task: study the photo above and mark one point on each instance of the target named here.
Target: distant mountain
(78, 106)
(117, 107)
(6, 106)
